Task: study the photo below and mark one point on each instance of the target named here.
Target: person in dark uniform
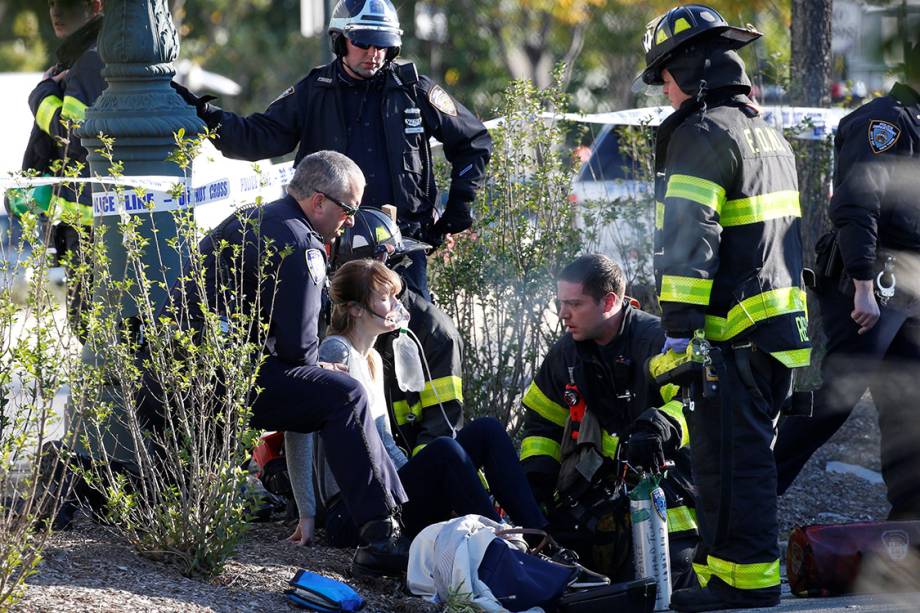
(59, 102)
(869, 268)
(728, 262)
(297, 393)
(379, 113)
(438, 457)
(417, 417)
(599, 365)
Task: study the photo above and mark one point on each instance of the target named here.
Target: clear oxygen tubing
(453, 431)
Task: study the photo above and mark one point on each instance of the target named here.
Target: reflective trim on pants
(745, 576)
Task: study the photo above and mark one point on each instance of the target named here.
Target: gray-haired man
(298, 393)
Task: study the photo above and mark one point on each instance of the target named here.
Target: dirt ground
(90, 569)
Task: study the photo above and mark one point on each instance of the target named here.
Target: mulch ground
(91, 569)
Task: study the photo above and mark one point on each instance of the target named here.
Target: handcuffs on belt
(885, 290)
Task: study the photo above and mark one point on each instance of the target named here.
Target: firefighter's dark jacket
(617, 394)
(728, 255)
(311, 114)
(876, 203)
(417, 417)
(55, 103)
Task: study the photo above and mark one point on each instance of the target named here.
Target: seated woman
(442, 479)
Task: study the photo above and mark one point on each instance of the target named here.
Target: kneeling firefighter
(587, 414)
(728, 262)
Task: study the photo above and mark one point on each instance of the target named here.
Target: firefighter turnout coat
(616, 392)
(57, 107)
(728, 255)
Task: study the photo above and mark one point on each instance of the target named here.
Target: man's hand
(677, 345)
(303, 533)
(333, 366)
(865, 308)
(644, 451)
(456, 219)
(57, 78)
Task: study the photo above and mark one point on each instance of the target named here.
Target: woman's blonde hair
(353, 284)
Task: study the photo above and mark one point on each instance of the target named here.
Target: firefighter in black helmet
(728, 263)
(417, 418)
(380, 114)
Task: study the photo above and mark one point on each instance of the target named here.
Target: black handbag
(630, 597)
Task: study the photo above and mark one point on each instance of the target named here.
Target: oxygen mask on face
(398, 317)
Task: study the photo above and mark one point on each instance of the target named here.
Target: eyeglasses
(350, 211)
(366, 46)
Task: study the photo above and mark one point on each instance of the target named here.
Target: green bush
(183, 501)
(498, 282)
(39, 359)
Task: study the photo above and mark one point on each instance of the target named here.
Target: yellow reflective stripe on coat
(681, 519)
(70, 212)
(675, 408)
(689, 290)
(697, 190)
(609, 443)
(745, 576)
(538, 402)
(418, 448)
(702, 573)
(540, 445)
(760, 208)
(443, 389)
(402, 410)
(794, 358)
(45, 113)
(750, 311)
(659, 215)
(73, 109)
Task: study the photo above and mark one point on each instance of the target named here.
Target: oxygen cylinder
(649, 514)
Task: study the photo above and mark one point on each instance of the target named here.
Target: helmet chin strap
(701, 91)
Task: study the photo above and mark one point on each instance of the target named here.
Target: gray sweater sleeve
(298, 447)
(298, 451)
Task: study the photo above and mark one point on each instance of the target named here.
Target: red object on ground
(270, 447)
(860, 557)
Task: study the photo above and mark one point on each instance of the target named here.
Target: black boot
(706, 599)
(383, 551)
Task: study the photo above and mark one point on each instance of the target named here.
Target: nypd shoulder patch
(316, 265)
(283, 95)
(882, 135)
(442, 101)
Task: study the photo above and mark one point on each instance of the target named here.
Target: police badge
(882, 135)
(316, 265)
(442, 101)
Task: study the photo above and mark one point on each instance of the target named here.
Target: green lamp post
(141, 112)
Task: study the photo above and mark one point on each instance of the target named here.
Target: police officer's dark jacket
(728, 254)
(416, 417)
(67, 100)
(616, 390)
(875, 203)
(414, 109)
(287, 288)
